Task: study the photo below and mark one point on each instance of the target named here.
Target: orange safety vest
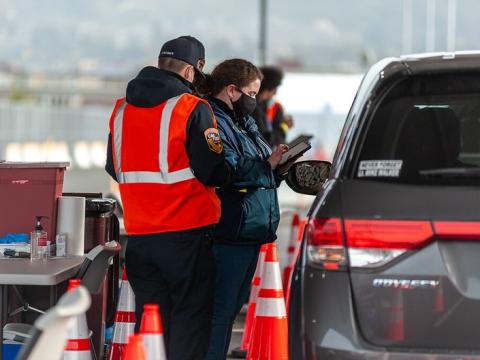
(158, 189)
(272, 111)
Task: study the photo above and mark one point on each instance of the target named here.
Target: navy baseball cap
(197, 42)
(185, 48)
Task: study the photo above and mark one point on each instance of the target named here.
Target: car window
(427, 130)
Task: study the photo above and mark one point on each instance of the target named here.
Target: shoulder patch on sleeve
(213, 140)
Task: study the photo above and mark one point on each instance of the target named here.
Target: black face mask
(244, 106)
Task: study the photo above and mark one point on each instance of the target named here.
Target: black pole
(263, 32)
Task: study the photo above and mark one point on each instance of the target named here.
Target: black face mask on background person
(244, 106)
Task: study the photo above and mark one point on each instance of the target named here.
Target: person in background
(271, 119)
(250, 212)
(165, 152)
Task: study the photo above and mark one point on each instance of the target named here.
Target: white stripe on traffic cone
(270, 330)
(152, 331)
(124, 319)
(78, 344)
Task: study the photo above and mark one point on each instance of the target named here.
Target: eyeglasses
(251, 94)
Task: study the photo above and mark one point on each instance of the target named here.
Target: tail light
(457, 230)
(325, 243)
(373, 243)
(370, 243)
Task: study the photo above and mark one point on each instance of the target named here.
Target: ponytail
(204, 84)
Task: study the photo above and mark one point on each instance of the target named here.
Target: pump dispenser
(38, 241)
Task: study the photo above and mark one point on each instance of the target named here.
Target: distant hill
(113, 37)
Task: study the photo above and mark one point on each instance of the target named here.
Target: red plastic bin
(28, 190)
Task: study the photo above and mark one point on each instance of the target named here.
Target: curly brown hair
(272, 77)
(238, 72)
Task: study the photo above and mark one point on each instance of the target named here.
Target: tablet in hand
(295, 151)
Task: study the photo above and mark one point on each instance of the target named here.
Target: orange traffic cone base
(269, 340)
(275, 333)
(135, 348)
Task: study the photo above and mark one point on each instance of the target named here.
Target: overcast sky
(117, 36)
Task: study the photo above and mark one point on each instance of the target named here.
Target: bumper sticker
(380, 168)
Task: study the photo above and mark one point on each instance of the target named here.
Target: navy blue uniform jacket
(250, 212)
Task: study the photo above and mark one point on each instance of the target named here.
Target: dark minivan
(390, 260)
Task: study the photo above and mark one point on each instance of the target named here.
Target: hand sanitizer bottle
(38, 241)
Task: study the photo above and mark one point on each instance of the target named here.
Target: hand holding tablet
(290, 156)
(276, 155)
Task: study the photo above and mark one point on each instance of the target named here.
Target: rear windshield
(426, 130)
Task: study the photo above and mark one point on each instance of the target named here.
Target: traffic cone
(269, 339)
(241, 352)
(152, 331)
(124, 319)
(135, 349)
(291, 249)
(78, 344)
(301, 230)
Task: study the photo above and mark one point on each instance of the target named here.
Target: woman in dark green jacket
(250, 213)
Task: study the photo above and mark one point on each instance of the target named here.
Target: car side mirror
(307, 177)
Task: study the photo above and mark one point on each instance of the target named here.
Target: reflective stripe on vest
(161, 177)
